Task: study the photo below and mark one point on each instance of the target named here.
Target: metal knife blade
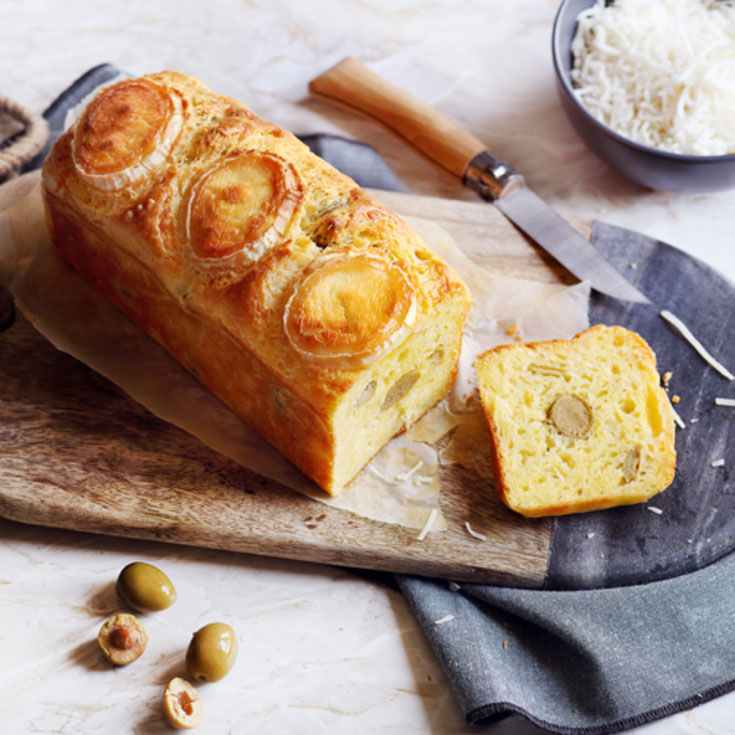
(497, 182)
(561, 240)
(352, 84)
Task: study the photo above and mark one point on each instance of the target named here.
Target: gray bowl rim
(566, 82)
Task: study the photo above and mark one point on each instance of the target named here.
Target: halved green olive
(122, 639)
(145, 587)
(212, 652)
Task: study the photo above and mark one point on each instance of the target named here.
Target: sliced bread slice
(577, 425)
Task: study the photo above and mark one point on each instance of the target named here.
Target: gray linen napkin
(587, 662)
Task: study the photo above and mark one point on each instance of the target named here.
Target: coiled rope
(27, 143)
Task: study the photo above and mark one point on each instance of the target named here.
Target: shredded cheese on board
(660, 72)
(685, 332)
(473, 533)
(678, 420)
(427, 526)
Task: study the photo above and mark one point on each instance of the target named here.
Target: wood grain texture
(486, 236)
(78, 453)
(351, 84)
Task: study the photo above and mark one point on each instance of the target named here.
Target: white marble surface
(321, 649)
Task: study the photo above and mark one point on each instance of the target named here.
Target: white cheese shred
(660, 72)
(724, 401)
(696, 344)
(371, 468)
(677, 419)
(718, 463)
(427, 526)
(473, 533)
(655, 510)
(445, 619)
(408, 474)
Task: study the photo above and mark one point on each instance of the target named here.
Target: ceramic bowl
(648, 166)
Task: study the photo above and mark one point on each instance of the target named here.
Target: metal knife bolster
(490, 177)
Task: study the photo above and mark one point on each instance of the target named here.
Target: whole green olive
(212, 652)
(145, 587)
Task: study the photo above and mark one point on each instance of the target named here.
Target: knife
(350, 83)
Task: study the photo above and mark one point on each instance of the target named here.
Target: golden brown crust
(233, 219)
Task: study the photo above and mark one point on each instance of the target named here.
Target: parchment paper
(400, 485)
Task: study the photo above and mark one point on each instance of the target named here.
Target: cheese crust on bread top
(286, 289)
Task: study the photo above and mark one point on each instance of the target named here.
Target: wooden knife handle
(351, 84)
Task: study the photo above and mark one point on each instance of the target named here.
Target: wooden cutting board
(78, 453)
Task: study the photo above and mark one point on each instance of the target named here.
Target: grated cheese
(678, 419)
(372, 468)
(660, 72)
(724, 401)
(473, 533)
(445, 619)
(408, 474)
(696, 344)
(655, 510)
(427, 526)
(718, 463)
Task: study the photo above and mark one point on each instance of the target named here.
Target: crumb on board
(505, 644)
(634, 265)
(591, 534)
(666, 377)
(518, 338)
(675, 399)
(512, 329)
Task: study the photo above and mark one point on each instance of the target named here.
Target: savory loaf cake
(577, 425)
(292, 294)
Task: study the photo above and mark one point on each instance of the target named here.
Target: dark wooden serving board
(79, 453)
(692, 523)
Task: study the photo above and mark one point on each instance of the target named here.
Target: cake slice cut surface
(577, 425)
